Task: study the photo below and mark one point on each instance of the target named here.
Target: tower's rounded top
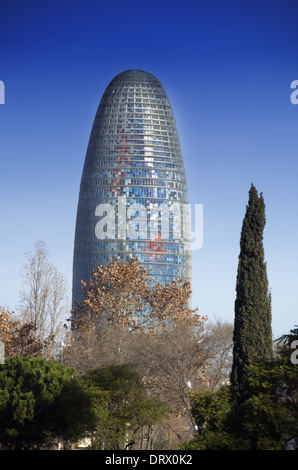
(135, 75)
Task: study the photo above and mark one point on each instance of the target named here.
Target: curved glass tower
(133, 189)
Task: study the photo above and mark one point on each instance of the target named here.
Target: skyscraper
(133, 190)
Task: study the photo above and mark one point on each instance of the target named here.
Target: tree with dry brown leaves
(126, 317)
(124, 295)
(120, 305)
(19, 338)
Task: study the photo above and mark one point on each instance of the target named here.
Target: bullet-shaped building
(133, 191)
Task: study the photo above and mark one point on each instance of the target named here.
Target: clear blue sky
(226, 66)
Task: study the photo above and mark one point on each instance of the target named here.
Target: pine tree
(252, 324)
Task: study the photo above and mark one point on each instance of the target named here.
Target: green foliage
(252, 328)
(42, 401)
(31, 389)
(265, 420)
(124, 412)
(269, 415)
(72, 413)
(210, 411)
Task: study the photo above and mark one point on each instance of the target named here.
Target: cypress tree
(252, 323)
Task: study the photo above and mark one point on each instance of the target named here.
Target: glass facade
(133, 188)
